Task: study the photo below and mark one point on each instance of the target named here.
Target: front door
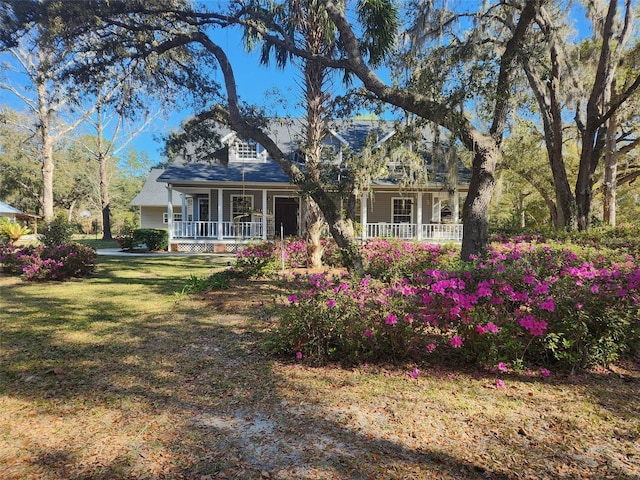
(286, 215)
(203, 216)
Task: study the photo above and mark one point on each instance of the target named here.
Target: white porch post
(170, 214)
(264, 214)
(363, 215)
(220, 210)
(435, 210)
(419, 218)
(456, 207)
(184, 206)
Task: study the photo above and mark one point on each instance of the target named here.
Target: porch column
(170, 214)
(456, 207)
(419, 218)
(363, 215)
(435, 210)
(184, 206)
(264, 215)
(220, 210)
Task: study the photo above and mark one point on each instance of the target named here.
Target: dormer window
(246, 150)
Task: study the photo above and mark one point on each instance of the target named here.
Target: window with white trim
(241, 208)
(402, 210)
(246, 150)
(177, 217)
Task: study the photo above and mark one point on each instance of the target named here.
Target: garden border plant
(557, 305)
(43, 263)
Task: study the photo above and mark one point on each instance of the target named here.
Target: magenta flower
(391, 319)
(368, 333)
(299, 355)
(484, 290)
(544, 372)
(293, 299)
(431, 347)
(492, 327)
(502, 367)
(331, 303)
(414, 373)
(549, 305)
(456, 342)
(535, 327)
(499, 383)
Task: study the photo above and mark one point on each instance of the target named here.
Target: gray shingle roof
(288, 135)
(154, 193)
(238, 172)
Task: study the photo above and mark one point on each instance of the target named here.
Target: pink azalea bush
(382, 258)
(525, 302)
(42, 263)
(265, 258)
(390, 258)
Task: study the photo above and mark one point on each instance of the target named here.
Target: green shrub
(215, 281)
(57, 232)
(125, 239)
(12, 231)
(153, 238)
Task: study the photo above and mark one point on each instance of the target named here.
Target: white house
(217, 207)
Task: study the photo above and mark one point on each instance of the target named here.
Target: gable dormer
(241, 150)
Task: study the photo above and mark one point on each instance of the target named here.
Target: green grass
(96, 243)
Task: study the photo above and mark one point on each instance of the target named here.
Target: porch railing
(254, 230)
(442, 231)
(210, 230)
(409, 231)
(404, 231)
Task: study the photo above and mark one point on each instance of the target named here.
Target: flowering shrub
(42, 263)
(383, 258)
(9, 260)
(264, 258)
(256, 260)
(527, 302)
(388, 258)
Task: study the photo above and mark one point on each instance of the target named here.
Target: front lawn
(116, 377)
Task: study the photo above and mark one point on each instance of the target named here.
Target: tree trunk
(46, 151)
(547, 94)
(592, 146)
(314, 223)
(610, 172)
(475, 212)
(104, 193)
(341, 229)
(344, 234)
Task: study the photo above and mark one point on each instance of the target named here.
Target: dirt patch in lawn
(188, 391)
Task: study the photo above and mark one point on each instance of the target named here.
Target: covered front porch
(221, 219)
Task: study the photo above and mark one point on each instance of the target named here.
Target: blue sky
(256, 84)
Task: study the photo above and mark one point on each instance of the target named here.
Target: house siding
(151, 217)
(379, 208)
